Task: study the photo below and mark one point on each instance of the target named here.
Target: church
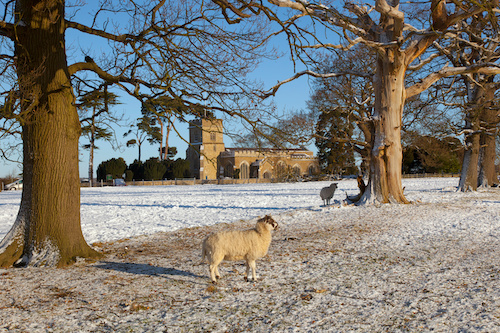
(210, 159)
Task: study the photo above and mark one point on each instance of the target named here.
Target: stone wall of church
(206, 144)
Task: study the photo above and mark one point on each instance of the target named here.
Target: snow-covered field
(430, 266)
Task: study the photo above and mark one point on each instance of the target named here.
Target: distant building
(210, 159)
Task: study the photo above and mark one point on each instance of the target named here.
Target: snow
(433, 265)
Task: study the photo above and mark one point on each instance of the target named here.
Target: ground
(392, 268)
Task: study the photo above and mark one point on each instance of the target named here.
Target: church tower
(206, 144)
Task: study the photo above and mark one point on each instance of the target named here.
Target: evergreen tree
(144, 129)
(137, 169)
(335, 156)
(115, 167)
(154, 169)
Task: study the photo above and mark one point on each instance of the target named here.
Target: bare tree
(476, 41)
(183, 50)
(398, 45)
(294, 129)
(343, 107)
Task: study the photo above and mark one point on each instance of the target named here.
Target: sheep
(326, 193)
(247, 245)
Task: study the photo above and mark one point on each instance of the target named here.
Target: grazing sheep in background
(326, 193)
(247, 245)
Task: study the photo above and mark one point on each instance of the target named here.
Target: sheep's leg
(214, 271)
(248, 271)
(251, 265)
(217, 274)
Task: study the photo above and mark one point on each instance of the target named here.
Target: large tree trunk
(487, 175)
(387, 153)
(489, 120)
(478, 167)
(49, 217)
(468, 177)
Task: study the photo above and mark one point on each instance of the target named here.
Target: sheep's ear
(270, 220)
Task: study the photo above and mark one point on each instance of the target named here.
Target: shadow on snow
(143, 269)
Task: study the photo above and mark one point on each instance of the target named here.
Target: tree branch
(383, 7)
(109, 78)
(486, 69)
(274, 89)
(443, 21)
(97, 32)
(7, 29)
(300, 6)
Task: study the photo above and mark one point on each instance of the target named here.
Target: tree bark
(489, 120)
(49, 216)
(478, 167)
(487, 175)
(386, 159)
(387, 153)
(468, 176)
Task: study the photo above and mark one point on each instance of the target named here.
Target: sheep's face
(270, 222)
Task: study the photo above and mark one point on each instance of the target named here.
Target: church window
(244, 171)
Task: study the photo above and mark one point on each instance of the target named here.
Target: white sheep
(247, 245)
(326, 193)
